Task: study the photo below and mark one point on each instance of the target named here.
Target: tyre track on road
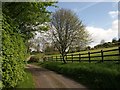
(44, 78)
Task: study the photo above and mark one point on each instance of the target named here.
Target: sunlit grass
(95, 56)
(93, 75)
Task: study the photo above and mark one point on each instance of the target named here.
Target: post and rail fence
(102, 55)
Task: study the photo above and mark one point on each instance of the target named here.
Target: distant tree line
(103, 44)
(108, 44)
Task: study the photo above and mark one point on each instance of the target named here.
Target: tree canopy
(68, 31)
(27, 15)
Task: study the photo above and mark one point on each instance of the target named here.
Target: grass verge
(28, 81)
(94, 75)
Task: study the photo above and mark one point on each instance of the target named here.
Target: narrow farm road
(44, 78)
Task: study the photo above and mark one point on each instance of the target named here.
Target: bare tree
(68, 30)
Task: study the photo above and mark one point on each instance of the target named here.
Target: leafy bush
(33, 59)
(14, 54)
(99, 75)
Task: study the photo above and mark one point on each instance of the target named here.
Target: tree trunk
(63, 56)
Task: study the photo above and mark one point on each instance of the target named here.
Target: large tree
(68, 31)
(27, 15)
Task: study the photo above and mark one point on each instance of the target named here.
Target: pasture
(93, 75)
(103, 54)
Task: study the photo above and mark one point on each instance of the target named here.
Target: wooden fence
(103, 55)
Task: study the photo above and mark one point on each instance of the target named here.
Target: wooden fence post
(79, 57)
(89, 56)
(56, 58)
(72, 57)
(102, 55)
(48, 59)
(52, 58)
(119, 54)
(119, 50)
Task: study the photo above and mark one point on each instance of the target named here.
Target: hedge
(13, 54)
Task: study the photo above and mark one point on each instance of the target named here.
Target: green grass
(40, 55)
(94, 75)
(0, 84)
(87, 51)
(28, 81)
(37, 57)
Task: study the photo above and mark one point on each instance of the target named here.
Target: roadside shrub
(13, 54)
(33, 59)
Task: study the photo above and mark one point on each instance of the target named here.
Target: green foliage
(27, 82)
(13, 58)
(95, 75)
(33, 59)
(27, 15)
(18, 20)
(70, 31)
(27, 12)
(50, 50)
(114, 43)
(36, 57)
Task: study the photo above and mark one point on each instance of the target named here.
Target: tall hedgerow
(18, 21)
(13, 54)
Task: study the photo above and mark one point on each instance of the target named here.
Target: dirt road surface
(44, 78)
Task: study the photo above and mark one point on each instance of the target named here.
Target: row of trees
(52, 50)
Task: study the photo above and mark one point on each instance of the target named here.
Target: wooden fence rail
(90, 56)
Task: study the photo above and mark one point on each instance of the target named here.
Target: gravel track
(45, 78)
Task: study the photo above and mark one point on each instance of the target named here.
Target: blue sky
(91, 13)
(100, 18)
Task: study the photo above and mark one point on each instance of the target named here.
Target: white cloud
(99, 33)
(113, 14)
(115, 25)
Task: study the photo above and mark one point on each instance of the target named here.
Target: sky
(100, 18)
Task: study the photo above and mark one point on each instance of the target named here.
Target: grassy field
(88, 50)
(93, 56)
(95, 75)
(28, 82)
